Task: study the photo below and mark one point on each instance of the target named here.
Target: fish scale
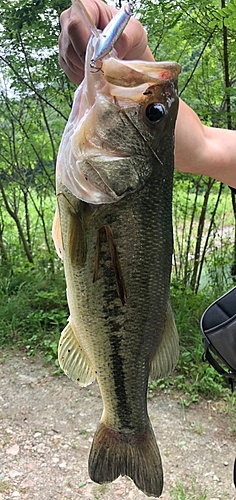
(147, 282)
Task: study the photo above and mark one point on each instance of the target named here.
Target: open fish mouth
(105, 103)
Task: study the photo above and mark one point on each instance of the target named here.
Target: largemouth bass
(113, 229)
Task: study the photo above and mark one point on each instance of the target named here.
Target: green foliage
(33, 310)
(191, 34)
(193, 376)
(181, 492)
(225, 16)
(203, 232)
(30, 32)
(35, 101)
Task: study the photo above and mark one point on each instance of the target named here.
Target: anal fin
(167, 355)
(72, 358)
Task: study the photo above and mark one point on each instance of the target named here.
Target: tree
(36, 98)
(35, 102)
(200, 36)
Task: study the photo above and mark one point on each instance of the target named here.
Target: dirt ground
(47, 425)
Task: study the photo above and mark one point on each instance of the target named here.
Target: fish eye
(155, 112)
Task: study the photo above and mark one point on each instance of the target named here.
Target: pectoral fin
(76, 240)
(105, 234)
(167, 354)
(68, 230)
(72, 358)
(56, 234)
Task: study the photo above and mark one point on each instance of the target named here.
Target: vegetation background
(35, 101)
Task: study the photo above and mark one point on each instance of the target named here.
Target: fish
(113, 230)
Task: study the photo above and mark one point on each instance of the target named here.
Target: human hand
(75, 34)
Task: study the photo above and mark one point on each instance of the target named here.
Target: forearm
(204, 150)
(199, 149)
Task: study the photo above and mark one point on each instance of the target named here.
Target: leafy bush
(33, 309)
(193, 376)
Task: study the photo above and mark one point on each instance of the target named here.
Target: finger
(70, 61)
(75, 34)
(74, 25)
(72, 41)
(133, 41)
(74, 72)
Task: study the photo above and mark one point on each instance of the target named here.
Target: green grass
(4, 487)
(193, 377)
(192, 492)
(33, 309)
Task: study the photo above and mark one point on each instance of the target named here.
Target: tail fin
(137, 456)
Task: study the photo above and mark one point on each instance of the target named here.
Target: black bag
(218, 325)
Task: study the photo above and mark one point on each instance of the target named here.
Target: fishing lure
(111, 33)
(105, 40)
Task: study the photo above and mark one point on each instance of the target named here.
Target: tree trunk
(229, 122)
(15, 217)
